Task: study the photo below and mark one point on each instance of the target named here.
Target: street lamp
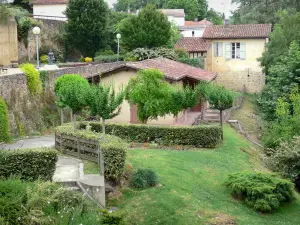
(118, 37)
(36, 31)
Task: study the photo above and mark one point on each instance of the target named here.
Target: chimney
(196, 19)
(227, 22)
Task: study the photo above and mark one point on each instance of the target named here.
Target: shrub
(285, 159)
(88, 59)
(181, 53)
(44, 59)
(105, 52)
(204, 136)
(111, 218)
(192, 62)
(145, 53)
(34, 82)
(82, 59)
(113, 148)
(261, 191)
(143, 178)
(28, 164)
(4, 122)
(108, 58)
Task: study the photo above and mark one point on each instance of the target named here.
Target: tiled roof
(173, 70)
(237, 31)
(49, 2)
(193, 44)
(173, 12)
(194, 23)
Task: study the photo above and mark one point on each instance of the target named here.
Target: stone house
(176, 73)
(232, 51)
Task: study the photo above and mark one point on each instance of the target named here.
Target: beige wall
(236, 73)
(47, 11)
(122, 78)
(8, 42)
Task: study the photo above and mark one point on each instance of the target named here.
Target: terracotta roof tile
(194, 23)
(49, 2)
(237, 31)
(193, 44)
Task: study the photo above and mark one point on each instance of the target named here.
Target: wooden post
(101, 160)
(78, 147)
(61, 143)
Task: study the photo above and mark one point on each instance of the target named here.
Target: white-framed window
(235, 50)
(218, 49)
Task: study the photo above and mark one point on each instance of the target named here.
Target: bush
(82, 59)
(181, 53)
(44, 59)
(143, 178)
(108, 58)
(199, 136)
(111, 218)
(145, 53)
(88, 59)
(192, 62)
(4, 122)
(34, 82)
(261, 191)
(105, 52)
(28, 164)
(285, 159)
(113, 148)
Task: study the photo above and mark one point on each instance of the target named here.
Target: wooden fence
(81, 148)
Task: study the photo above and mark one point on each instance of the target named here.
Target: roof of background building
(172, 70)
(193, 44)
(49, 2)
(174, 12)
(237, 31)
(196, 23)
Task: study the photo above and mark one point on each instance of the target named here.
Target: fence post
(61, 143)
(78, 147)
(100, 160)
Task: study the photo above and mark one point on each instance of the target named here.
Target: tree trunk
(71, 114)
(221, 123)
(61, 116)
(103, 126)
(74, 120)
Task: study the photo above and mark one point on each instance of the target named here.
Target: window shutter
(220, 46)
(215, 49)
(228, 51)
(243, 50)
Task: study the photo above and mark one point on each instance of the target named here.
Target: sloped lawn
(192, 190)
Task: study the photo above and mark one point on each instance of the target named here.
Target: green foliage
(71, 89)
(261, 191)
(215, 17)
(150, 92)
(181, 53)
(44, 77)
(4, 122)
(5, 14)
(192, 62)
(34, 82)
(87, 25)
(143, 178)
(145, 53)
(175, 36)
(104, 102)
(114, 150)
(135, 30)
(28, 164)
(111, 218)
(21, 128)
(108, 58)
(25, 24)
(285, 158)
(44, 59)
(205, 136)
(105, 52)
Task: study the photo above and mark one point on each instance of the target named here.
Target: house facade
(176, 73)
(50, 9)
(233, 52)
(194, 28)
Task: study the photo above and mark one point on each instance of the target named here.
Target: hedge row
(199, 136)
(113, 148)
(28, 164)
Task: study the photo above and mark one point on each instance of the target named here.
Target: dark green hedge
(113, 148)
(108, 58)
(28, 164)
(4, 122)
(199, 136)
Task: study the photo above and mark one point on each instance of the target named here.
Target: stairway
(211, 115)
(187, 120)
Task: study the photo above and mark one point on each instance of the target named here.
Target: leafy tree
(215, 17)
(104, 102)
(150, 28)
(190, 7)
(4, 122)
(5, 13)
(175, 36)
(86, 27)
(71, 90)
(150, 93)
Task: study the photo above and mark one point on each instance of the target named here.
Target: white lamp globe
(118, 36)
(36, 30)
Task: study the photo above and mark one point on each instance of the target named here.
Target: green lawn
(192, 190)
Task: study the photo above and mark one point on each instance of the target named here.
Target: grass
(192, 189)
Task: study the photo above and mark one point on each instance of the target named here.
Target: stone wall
(235, 80)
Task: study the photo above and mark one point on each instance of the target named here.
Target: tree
(215, 17)
(105, 103)
(87, 23)
(150, 93)
(71, 90)
(150, 28)
(174, 37)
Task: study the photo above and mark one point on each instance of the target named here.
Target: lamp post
(36, 31)
(118, 37)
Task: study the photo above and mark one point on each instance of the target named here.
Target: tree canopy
(150, 28)
(87, 25)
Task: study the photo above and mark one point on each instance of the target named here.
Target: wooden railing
(81, 148)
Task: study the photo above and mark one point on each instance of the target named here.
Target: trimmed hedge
(199, 136)
(4, 122)
(28, 164)
(108, 58)
(261, 191)
(113, 148)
